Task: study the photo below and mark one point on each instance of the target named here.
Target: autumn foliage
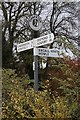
(59, 97)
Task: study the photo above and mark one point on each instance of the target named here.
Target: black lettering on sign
(21, 48)
(41, 42)
(53, 51)
(44, 52)
(43, 38)
(23, 44)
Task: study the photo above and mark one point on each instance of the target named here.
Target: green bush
(20, 102)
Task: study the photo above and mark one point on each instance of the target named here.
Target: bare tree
(15, 29)
(64, 20)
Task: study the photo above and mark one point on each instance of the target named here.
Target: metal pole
(35, 67)
(35, 72)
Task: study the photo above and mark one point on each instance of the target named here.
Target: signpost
(47, 39)
(40, 41)
(25, 46)
(35, 24)
(45, 52)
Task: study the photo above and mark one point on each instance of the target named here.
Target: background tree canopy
(60, 19)
(15, 28)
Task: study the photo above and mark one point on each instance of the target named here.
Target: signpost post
(35, 70)
(39, 42)
(35, 24)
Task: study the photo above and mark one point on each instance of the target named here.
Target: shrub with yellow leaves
(21, 103)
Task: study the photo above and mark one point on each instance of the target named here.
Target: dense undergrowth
(20, 101)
